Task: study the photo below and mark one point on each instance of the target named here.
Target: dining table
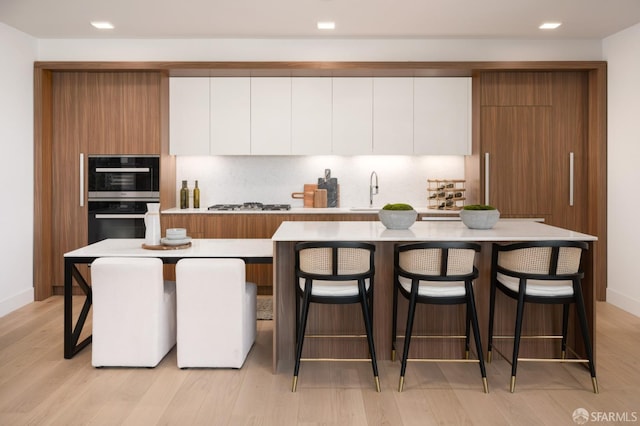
(251, 250)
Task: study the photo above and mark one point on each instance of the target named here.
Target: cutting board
(307, 195)
(331, 185)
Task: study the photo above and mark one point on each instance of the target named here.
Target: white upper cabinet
(311, 106)
(352, 116)
(442, 116)
(230, 117)
(393, 115)
(270, 115)
(188, 116)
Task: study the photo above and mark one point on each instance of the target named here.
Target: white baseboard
(623, 302)
(15, 302)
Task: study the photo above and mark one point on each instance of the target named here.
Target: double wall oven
(120, 186)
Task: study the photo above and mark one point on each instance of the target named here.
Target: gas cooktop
(249, 206)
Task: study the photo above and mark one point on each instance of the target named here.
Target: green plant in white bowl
(479, 216)
(397, 216)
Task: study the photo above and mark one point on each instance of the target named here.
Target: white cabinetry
(442, 116)
(311, 107)
(393, 115)
(189, 116)
(230, 116)
(271, 116)
(352, 116)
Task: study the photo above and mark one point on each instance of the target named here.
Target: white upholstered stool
(134, 312)
(216, 313)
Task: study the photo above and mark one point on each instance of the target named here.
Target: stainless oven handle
(81, 179)
(119, 216)
(122, 170)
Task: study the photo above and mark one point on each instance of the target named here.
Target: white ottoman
(134, 312)
(216, 311)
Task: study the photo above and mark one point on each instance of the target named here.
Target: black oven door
(116, 219)
(124, 176)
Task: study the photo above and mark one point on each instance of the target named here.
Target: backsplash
(272, 179)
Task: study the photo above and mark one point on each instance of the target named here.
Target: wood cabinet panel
(141, 113)
(516, 88)
(70, 131)
(517, 140)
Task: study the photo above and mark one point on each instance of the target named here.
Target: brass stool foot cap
(512, 387)
(401, 384)
(563, 355)
(594, 382)
(466, 354)
(294, 385)
(377, 380)
(489, 357)
(485, 385)
(393, 355)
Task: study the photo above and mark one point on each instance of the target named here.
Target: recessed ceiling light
(550, 25)
(102, 25)
(327, 25)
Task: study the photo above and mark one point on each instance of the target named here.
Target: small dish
(175, 241)
(176, 233)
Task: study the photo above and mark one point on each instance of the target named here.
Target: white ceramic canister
(152, 233)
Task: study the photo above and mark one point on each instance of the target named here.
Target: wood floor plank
(39, 387)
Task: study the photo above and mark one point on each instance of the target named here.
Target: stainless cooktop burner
(249, 206)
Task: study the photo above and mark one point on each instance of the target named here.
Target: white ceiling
(584, 19)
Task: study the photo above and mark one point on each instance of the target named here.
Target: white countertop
(309, 210)
(132, 247)
(504, 230)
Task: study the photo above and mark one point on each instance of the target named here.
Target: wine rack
(445, 194)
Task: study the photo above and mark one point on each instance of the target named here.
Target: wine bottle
(184, 196)
(196, 197)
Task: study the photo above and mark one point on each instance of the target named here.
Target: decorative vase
(397, 219)
(479, 219)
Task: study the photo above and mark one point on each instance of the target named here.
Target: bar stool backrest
(315, 260)
(558, 259)
(429, 261)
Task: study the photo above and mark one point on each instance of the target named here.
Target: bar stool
(334, 273)
(540, 272)
(438, 273)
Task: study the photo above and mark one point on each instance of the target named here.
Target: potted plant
(397, 216)
(479, 216)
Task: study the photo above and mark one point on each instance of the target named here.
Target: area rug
(264, 308)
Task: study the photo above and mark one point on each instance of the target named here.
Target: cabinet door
(71, 118)
(140, 113)
(393, 115)
(518, 143)
(352, 116)
(442, 116)
(270, 116)
(311, 116)
(189, 116)
(230, 119)
(103, 100)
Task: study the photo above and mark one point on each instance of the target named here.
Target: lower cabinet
(240, 225)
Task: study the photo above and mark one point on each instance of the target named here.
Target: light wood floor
(38, 386)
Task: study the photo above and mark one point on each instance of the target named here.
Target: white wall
(623, 167)
(319, 50)
(17, 53)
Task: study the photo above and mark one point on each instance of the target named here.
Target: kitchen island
(346, 319)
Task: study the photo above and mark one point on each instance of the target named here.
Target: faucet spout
(373, 186)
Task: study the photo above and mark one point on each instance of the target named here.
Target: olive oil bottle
(196, 197)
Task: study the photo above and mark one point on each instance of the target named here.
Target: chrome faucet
(373, 189)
